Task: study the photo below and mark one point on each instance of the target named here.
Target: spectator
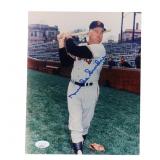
(124, 63)
(111, 62)
(138, 60)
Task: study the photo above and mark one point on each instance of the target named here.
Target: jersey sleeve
(78, 51)
(97, 50)
(65, 59)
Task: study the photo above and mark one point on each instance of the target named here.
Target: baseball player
(83, 89)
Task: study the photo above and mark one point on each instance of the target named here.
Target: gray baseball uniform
(82, 100)
(83, 89)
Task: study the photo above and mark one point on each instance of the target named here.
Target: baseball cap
(95, 24)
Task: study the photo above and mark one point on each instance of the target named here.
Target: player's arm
(78, 51)
(65, 59)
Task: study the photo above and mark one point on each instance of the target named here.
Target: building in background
(128, 33)
(42, 42)
(43, 45)
(125, 47)
(39, 33)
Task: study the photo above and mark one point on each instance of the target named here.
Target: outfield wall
(120, 78)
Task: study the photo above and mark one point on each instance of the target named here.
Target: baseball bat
(79, 33)
(84, 33)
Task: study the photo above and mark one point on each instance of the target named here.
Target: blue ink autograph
(90, 72)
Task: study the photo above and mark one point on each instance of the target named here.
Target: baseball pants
(81, 109)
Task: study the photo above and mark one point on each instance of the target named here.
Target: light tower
(122, 27)
(134, 21)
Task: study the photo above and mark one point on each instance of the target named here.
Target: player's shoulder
(97, 49)
(99, 46)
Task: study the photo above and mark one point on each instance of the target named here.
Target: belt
(82, 84)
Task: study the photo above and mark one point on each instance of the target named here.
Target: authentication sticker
(42, 144)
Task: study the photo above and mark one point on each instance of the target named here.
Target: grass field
(115, 123)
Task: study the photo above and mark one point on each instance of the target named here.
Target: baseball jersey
(89, 68)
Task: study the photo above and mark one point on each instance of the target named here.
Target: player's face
(95, 35)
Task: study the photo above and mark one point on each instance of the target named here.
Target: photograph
(83, 83)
